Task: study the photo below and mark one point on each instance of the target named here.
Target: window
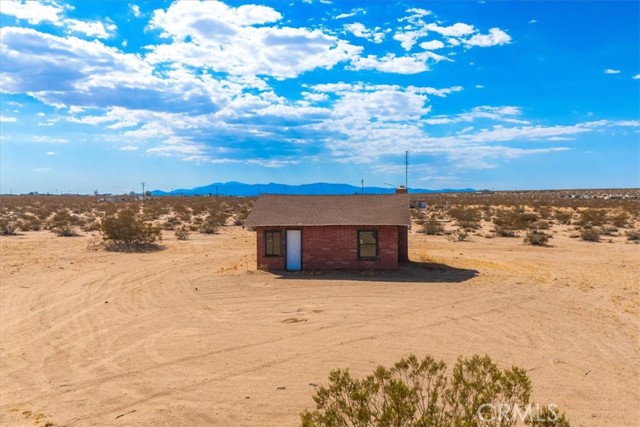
(273, 243)
(367, 244)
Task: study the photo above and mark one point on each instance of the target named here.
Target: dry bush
(563, 217)
(620, 219)
(459, 235)
(539, 225)
(590, 234)
(432, 227)
(213, 221)
(420, 393)
(29, 222)
(593, 217)
(182, 233)
(66, 231)
(536, 238)
(8, 227)
(514, 219)
(467, 218)
(504, 232)
(633, 235)
(127, 231)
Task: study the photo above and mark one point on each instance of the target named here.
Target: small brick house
(359, 232)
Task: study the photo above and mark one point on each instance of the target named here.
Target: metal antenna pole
(143, 193)
(406, 170)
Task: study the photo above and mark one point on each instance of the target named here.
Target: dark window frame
(377, 244)
(269, 251)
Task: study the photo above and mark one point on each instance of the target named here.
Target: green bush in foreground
(418, 393)
(127, 231)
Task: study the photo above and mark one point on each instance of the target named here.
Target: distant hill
(240, 189)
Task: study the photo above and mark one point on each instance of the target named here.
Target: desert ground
(195, 335)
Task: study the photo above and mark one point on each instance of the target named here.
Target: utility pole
(362, 184)
(406, 170)
(143, 193)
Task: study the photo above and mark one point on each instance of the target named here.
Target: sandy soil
(194, 335)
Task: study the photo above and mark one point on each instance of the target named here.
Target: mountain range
(240, 189)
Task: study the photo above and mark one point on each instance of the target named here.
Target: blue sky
(101, 95)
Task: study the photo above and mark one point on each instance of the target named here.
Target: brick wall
(335, 247)
(403, 244)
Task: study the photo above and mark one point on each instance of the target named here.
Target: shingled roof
(286, 210)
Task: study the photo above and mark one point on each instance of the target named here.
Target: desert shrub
(459, 235)
(543, 212)
(563, 217)
(536, 238)
(66, 231)
(432, 227)
(92, 225)
(213, 221)
(238, 221)
(418, 393)
(29, 222)
(593, 217)
(633, 235)
(182, 212)
(182, 233)
(590, 234)
(504, 232)
(609, 230)
(171, 223)
(62, 222)
(620, 219)
(125, 230)
(467, 218)
(514, 219)
(417, 215)
(8, 227)
(539, 225)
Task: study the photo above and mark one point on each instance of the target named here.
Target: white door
(294, 250)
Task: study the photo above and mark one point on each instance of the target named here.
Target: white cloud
(241, 41)
(495, 37)
(611, 71)
(479, 86)
(533, 21)
(636, 77)
(50, 153)
(432, 45)
(6, 119)
(91, 28)
(359, 30)
(34, 12)
(40, 170)
(37, 12)
(456, 30)
(391, 64)
(354, 12)
(49, 139)
(129, 148)
(135, 10)
(505, 114)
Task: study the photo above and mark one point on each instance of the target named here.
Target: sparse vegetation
(432, 227)
(8, 227)
(590, 234)
(536, 238)
(633, 235)
(182, 233)
(126, 231)
(418, 393)
(467, 218)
